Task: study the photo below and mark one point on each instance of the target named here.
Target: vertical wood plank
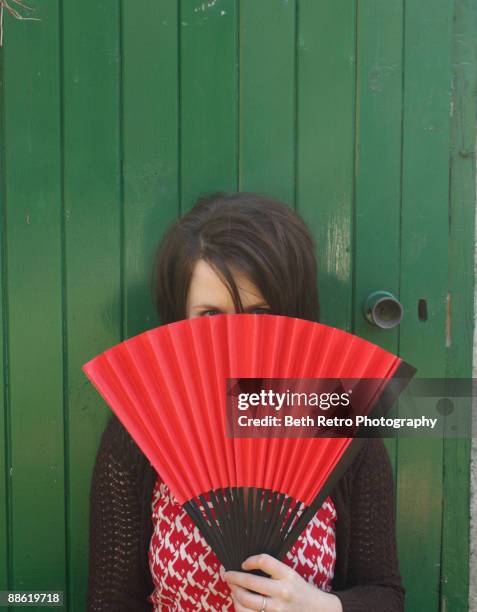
(455, 542)
(150, 147)
(267, 98)
(424, 274)
(325, 132)
(91, 217)
(4, 415)
(378, 164)
(208, 98)
(34, 258)
(108, 216)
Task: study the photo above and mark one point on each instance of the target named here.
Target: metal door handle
(382, 309)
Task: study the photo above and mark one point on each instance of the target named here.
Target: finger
(238, 607)
(275, 568)
(248, 599)
(265, 586)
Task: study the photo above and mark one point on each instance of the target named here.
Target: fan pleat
(187, 369)
(207, 377)
(117, 387)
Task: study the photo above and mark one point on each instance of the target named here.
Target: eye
(209, 313)
(260, 310)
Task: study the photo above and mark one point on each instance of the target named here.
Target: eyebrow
(214, 307)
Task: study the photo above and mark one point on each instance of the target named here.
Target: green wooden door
(116, 116)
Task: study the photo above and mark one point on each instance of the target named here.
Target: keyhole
(422, 310)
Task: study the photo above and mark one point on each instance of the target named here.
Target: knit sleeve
(116, 578)
(373, 578)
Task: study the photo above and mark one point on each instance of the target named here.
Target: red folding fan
(247, 495)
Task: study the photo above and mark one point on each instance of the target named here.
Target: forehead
(206, 286)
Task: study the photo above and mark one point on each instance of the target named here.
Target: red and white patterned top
(187, 575)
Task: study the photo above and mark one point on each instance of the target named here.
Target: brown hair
(249, 232)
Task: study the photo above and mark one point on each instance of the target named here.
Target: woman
(242, 252)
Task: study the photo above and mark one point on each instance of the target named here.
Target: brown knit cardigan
(366, 577)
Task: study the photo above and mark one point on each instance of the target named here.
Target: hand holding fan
(168, 388)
